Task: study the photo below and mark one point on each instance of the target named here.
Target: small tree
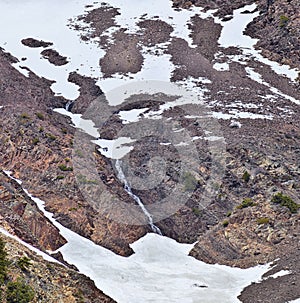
(19, 292)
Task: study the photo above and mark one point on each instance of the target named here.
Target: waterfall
(128, 189)
(69, 105)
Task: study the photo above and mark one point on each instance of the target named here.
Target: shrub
(24, 116)
(283, 21)
(19, 292)
(225, 223)
(60, 177)
(189, 181)
(63, 167)
(196, 211)
(261, 221)
(229, 214)
(247, 202)
(286, 201)
(35, 141)
(40, 116)
(246, 176)
(24, 263)
(51, 137)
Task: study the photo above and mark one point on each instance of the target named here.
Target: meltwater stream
(122, 178)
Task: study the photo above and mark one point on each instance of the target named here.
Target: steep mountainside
(256, 109)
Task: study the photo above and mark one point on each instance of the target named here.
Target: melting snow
(159, 271)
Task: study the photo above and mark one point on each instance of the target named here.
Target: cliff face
(21, 215)
(278, 31)
(37, 145)
(50, 282)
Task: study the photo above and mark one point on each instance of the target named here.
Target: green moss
(286, 201)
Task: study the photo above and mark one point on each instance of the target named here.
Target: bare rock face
(31, 42)
(37, 147)
(22, 216)
(54, 57)
(278, 31)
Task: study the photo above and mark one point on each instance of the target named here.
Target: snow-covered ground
(159, 271)
(232, 35)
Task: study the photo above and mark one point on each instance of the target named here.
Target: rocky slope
(37, 145)
(51, 282)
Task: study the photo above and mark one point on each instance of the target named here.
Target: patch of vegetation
(79, 153)
(283, 21)
(196, 211)
(14, 291)
(286, 201)
(41, 129)
(60, 177)
(73, 209)
(64, 130)
(51, 137)
(35, 141)
(19, 292)
(24, 116)
(225, 223)
(83, 179)
(24, 263)
(246, 176)
(63, 167)
(40, 116)
(247, 202)
(3, 262)
(228, 214)
(189, 181)
(262, 221)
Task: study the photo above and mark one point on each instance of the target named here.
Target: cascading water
(69, 105)
(128, 189)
